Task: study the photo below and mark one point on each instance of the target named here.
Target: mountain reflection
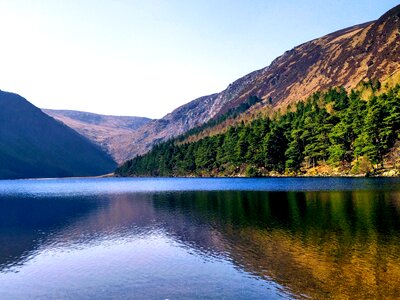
(318, 244)
(321, 244)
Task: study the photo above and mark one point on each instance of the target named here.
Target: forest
(332, 133)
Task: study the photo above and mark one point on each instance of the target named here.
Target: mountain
(327, 107)
(34, 145)
(370, 51)
(331, 133)
(111, 133)
(180, 120)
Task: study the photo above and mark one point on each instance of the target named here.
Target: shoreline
(112, 175)
(271, 176)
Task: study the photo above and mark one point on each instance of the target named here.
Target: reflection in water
(321, 244)
(317, 244)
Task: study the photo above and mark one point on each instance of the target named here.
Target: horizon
(161, 54)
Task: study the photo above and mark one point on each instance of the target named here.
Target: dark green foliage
(275, 145)
(333, 127)
(294, 152)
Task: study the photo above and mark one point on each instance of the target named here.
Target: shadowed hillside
(33, 145)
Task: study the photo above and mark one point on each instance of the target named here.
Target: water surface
(200, 238)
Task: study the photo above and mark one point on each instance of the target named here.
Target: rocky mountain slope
(369, 51)
(108, 132)
(33, 145)
(180, 120)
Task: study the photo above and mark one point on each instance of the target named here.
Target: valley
(361, 60)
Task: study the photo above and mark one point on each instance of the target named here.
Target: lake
(165, 238)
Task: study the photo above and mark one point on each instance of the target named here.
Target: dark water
(200, 238)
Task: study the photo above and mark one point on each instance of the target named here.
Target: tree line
(334, 128)
(230, 114)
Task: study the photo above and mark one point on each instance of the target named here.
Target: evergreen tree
(332, 127)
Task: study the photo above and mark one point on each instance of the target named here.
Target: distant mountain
(369, 51)
(34, 145)
(111, 133)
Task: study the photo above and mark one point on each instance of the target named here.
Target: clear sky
(147, 57)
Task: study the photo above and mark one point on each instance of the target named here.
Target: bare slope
(32, 144)
(343, 58)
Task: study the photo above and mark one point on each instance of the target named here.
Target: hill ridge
(33, 145)
(346, 57)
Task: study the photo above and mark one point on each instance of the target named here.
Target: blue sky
(147, 57)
